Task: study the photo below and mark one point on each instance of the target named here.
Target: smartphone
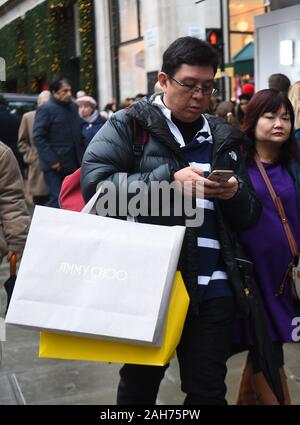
(221, 175)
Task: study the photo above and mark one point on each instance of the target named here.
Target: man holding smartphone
(185, 145)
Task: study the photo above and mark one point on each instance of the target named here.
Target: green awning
(243, 61)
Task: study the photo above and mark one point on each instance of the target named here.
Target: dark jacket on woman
(111, 153)
(89, 130)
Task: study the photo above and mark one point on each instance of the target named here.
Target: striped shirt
(212, 277)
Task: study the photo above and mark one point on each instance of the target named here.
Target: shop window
(242, 14)
(131, 22)
(133, 78)
(238, 41)
(241, 18)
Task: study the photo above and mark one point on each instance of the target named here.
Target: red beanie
(248, 88)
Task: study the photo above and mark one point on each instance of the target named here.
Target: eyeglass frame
(193, 88)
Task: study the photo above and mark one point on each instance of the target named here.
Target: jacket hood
(151, 118)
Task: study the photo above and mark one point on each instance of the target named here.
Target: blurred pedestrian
(126, 103)
(242, 105)
(80, 93)
(9, 127)
(279, 82)
(57, 136)
(92, 121)
(269, 122)
(35, 185)
(294, 96)
(248, 89)
(109, 109)
(225, 110)
(139, 96)
(14, 216)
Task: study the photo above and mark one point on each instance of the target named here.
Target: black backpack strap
(139, 138)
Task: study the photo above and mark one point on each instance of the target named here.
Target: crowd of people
(256, 138)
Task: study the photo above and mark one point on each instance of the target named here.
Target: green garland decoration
(38, 45)
(87, 60)
(12, 49)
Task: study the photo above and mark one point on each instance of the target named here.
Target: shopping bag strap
(13, 265)
(280, 209)
(140, 137)
(87, 209)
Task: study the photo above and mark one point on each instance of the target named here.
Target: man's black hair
(57, 83)
(189, 51)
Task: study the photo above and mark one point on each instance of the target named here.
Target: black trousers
(202, 354)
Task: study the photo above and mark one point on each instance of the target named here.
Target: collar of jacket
(225, 136)
(151, 118)
(61, 103)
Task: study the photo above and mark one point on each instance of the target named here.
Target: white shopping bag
(95, 276)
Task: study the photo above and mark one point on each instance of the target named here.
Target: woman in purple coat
(269, 123)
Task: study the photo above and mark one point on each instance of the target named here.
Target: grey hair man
(43, 97)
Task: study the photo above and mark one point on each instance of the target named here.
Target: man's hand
(56, 166)
(191, 182)
(228, 189)
(212, 189)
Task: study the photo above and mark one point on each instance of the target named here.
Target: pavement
(25, 379)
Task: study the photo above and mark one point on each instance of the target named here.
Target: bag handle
(280, 209)
(13, 265)
(87, 209)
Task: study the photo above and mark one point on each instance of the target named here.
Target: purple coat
(267, 245)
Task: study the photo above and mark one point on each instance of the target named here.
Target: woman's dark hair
(269, 100)
(190, 51)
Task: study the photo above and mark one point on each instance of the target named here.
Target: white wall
(103, 52)
(271, 28)
(17, 11)
(167, 20)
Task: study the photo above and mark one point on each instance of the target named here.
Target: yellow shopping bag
(61, 346)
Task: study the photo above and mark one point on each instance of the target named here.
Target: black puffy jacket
(111, 153)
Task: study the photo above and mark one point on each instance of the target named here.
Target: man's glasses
(193, 88)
